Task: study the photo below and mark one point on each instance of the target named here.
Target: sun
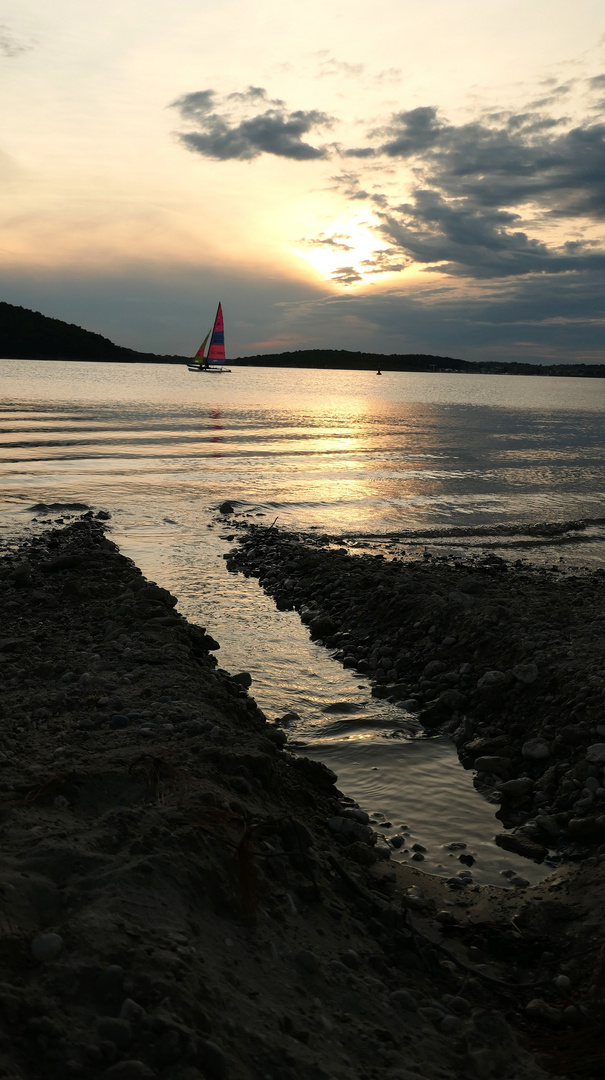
(348, 253)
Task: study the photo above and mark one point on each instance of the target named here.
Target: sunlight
(348, 253)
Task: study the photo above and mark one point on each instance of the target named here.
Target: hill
(29, 335)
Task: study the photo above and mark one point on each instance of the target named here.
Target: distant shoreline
(340, 360)
(29, 335)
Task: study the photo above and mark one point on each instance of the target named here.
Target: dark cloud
(225, 130)
(480, 189)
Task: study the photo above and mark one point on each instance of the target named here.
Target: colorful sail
(200, 351)
(216, 352)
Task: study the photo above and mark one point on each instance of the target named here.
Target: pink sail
(216, 352)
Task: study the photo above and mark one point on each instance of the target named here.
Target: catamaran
(214, 359)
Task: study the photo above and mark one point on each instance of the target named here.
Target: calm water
(435, 460)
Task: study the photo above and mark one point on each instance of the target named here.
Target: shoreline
(505, 659)
(183, 898)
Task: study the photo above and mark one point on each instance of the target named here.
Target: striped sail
(216, 352)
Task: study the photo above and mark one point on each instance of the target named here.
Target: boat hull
(209, 370)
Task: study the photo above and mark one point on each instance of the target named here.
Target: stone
(535, 750)
(522, 845)
(491, 682)
(500, 766)
(226, 507)
(519, 788)
(212, 1059)
(45, 947)
(404, 999)
(307, 961)
(243, 678)
(129, 1070)
(116, 1030)
(526, 673)
(538, 1010)
(595, 754)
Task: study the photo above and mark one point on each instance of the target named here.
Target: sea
(398, 463)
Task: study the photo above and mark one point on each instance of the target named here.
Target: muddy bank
(181, 897)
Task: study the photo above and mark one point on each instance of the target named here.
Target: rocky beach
(183, 897)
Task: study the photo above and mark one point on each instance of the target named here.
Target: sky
(392, 177)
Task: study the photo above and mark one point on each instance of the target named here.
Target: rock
(118, 720)
(307, 961)
(539, 1011)
(129, 1070)
(522, 845)
(535, 750)
(492, 682)
(519, 788)
(526, 673)
(586, 828)
(117, 1031)
(500, 766)
(243, 678)
(45, 947)
(562, 983)
(213, 1061)
(322, 626)
(351, 959)
(596, 754)
(226, 507)
(403, 999)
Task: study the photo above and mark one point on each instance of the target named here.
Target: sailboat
(214, 359)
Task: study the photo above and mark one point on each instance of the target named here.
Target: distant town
(29, 335)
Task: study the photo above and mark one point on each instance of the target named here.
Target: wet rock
(522, 845)
(500, 766)
(519, 788)
(226, 507)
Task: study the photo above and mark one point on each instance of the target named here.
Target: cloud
(335, 243)
(328, 65)
(231, 128)
(10, 45)
(489, 198)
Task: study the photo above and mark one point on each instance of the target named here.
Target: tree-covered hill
(28, 335)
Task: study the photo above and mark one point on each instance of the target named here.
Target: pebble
(46, 946)
(307, 960)
(117, 1031)
(537, 1009)
(129, 1070)
(118, 720)
(212, 1059)
(562, 983)
(596, 753)
(403, 998)
(536, 750)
